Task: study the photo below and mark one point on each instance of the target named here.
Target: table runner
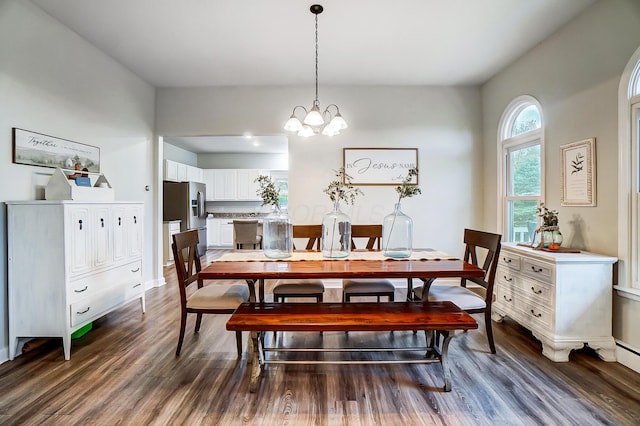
(296, 256)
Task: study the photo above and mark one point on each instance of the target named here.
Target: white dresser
(565, 299)
(169, 228)
(69, 263)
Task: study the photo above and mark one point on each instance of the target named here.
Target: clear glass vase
(277, 235)
(336, 233)
(397, 234)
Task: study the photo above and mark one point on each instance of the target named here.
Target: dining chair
(463, 297)
(356, 287)
(303, 288)
(246, 232)
(209, 299)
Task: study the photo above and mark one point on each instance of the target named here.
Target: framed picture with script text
(579, 173)
(379, 166)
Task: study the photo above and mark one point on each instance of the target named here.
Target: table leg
(425, 288)
(261, 289)
(256, 364)
(444, 360)
(252, 290)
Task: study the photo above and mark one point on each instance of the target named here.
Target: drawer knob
(137, 285)
(507, 278)
(535, 315)
(536, 291)
(135, 270)
(506, 260)
(507, 299)
(81, 290)
(85, 311)
(534, 269)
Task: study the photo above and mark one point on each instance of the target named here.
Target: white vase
(277, 235)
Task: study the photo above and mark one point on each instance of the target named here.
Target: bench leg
(444, 360)
(256, 361)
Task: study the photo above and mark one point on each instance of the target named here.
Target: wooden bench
(438, 319)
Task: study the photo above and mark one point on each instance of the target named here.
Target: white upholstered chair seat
(218, 297)
(462, 297)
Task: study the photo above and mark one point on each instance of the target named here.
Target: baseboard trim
(154, 283)
(628, 355)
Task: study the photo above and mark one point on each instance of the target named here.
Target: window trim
(506, 142)
(628, 108)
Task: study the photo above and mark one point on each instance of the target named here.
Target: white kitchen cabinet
(565, 299)
(194, 174)
(247, 185)
(208, 179)
(224, 185)
(70, 263)
(169, 228)
(171, 170)
(182, 172)
(226, 234)
(213, 232)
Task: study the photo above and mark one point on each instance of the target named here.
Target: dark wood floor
(124, 372)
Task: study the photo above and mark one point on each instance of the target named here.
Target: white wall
(444, 123)
(54, 82)
(171, 152)
(575, 75)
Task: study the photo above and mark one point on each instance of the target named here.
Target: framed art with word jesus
(379, 166)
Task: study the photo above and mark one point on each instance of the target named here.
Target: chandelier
(314, 120)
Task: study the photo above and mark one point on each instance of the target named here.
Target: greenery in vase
(407, 189)
(549, 217)
(267, 191)
(342, 188)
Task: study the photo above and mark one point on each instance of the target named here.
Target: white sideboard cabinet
(564, 299)
(69, 263)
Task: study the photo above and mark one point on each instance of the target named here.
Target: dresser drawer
(538, 291)
(93, 284)
(524, 310)
(93, 307)
(510, 260)
(538, 270)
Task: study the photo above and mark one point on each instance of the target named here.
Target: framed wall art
(379, 166)
(36, 149)
(579, 173)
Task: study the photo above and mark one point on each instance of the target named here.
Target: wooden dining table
(255, 272)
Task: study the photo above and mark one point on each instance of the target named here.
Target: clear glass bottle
(336, 233)
(557, 237)
(277, 235)
(397, 234)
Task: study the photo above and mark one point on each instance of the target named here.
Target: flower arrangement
(549, 217)
(407, 189)
(267, 191)
(342, 188)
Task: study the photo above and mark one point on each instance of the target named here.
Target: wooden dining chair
(367, 286)
(209, 299)
(463, 297)
(246, 233)
(307, 288)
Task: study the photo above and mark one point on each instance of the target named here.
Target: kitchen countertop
(227, 215)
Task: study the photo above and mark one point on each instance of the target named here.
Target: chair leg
(198, 322)
(239, 343)
(487, 322)
(183, 325)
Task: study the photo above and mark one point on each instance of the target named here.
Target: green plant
(342, 188)
(267, 191)
(549, 217)
(407, 189)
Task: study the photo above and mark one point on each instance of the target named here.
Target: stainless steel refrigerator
(185, 201)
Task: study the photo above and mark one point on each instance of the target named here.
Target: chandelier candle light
(314, 121)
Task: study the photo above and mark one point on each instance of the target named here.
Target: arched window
(521, 178)
(629, 179)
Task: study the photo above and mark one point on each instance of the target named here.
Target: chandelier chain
(316, 58)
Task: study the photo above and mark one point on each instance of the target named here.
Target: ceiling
(247, 144)
(192, 43)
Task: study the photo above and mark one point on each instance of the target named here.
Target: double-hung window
(521, 169)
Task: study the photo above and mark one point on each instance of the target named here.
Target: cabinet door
(170, 170)
(213, 232)
(247, 185)
(224, 184)
(208, 179)
(182, 172)
(79, 232)
(119, 235)
(134, 230)
(101, 223)
(226, 234)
